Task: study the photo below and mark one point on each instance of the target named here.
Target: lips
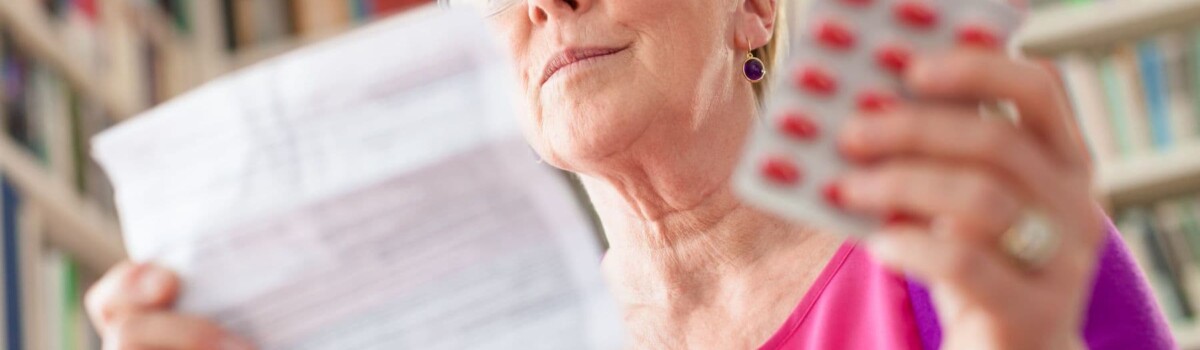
(574, 55)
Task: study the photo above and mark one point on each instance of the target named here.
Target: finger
(165, 330)
(948, 133)
(981, 203)
(130, 288)
(979, 275)
(983, 75)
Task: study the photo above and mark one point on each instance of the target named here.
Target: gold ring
(1031, 241)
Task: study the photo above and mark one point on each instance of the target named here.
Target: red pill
(816, 81)
(893, 58)
(798, 126)
(978, 35)
(833, 195)
(781, 171)
(916, 14)
(835, 35)
(872, 101)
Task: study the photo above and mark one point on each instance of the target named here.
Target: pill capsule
(835, 35)
(978, 35)
(893, 58)
(816, 81)
(798, 126)
(781, 171)
(871, 101)
(833, 195)
(916, 14)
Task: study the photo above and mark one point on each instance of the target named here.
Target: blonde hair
(770, 53)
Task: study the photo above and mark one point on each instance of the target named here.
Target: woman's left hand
(967, 180)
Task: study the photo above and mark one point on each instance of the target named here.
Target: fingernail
(152, 281)
(235, 343)
(855, 133)
(898, 218)
(856, 185)
(924, 73)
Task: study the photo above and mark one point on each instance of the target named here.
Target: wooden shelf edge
(41, 44)
(1069, 27)
(74, 226)
(1149, 176)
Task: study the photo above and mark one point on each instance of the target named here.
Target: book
(1193, 59)
(1081, 73)
(13, 306)
(1154, 92)
(1169, 225)
(1129, 223)
(317, 17)
(1119, 109)
(1179, 88)
(1127, 81)
(1165, 265)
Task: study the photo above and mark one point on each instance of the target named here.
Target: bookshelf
(200, 54)
(79, 229)
(1141, 179)
(32, 30)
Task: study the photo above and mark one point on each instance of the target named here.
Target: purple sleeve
(1121, 313)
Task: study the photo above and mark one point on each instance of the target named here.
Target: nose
(542, 11)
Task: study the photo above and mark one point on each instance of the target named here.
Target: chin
(577, 137)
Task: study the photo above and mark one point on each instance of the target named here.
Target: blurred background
(71, 68)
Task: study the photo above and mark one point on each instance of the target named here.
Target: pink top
(855, 304)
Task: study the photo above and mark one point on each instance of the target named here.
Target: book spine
(1116, 105)
(1082, 76)
(1150, 65)
(1128, 81)
(1166, 264)
(1193, 59)
(1135, 235)
(13, 309)
(1179, 87)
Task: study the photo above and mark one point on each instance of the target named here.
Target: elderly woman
(649, 103)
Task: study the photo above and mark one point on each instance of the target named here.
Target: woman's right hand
(131, 309)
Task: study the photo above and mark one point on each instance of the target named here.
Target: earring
(754, 68)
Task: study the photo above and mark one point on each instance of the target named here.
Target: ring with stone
(1031, 242)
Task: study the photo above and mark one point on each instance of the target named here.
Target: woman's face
(603, 77)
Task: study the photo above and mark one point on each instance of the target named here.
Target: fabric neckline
(800, 313)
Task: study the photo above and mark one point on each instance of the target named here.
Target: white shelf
(1150, 175)
(76, 226)
(1069, 27)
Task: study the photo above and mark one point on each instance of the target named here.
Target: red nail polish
(898, 218)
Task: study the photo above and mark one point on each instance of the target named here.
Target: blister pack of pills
(846, 57)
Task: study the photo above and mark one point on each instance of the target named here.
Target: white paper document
(370, 192)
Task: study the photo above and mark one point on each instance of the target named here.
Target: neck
(673, 223)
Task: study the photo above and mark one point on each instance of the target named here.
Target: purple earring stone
(754, 69)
